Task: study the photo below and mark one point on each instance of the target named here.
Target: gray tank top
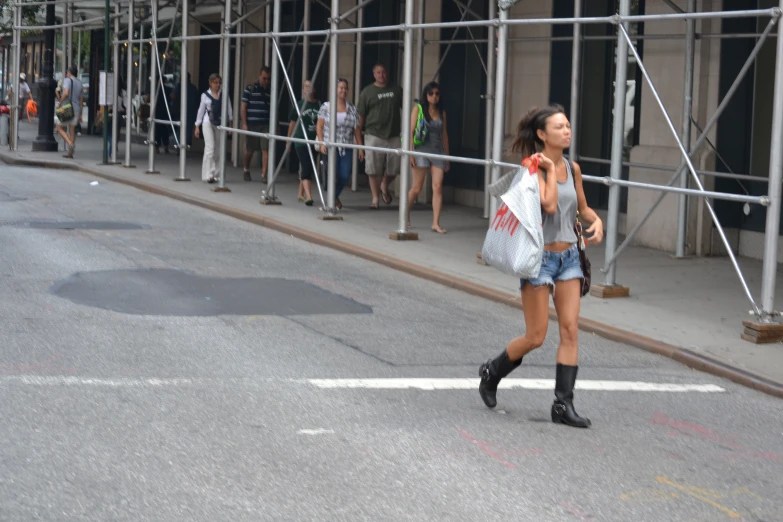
(559, 227)
(434, 141)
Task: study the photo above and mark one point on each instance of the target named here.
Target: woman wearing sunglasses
(437, 142)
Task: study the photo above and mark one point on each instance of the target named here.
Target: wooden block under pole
(609, 291)
(762, 333)
(404, 236)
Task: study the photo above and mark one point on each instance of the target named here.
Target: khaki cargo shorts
(380, 163)
(256, 143)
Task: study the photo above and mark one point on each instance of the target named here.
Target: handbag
(581, 244)
(514, 243)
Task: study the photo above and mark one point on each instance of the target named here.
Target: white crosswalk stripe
(530, 384)
(428, 384)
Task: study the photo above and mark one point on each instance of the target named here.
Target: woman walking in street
(347, 131)
(437, 142)
(208, 118)
(544, 134)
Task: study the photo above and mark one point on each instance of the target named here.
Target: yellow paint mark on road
(649, 495)
(695, 493)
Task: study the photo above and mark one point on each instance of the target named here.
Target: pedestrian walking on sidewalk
(433, 120)
(544, 134)
(208, 117)
(308, 107)
(73, 95)
(347, 130)
(256, 104)
(380, 107)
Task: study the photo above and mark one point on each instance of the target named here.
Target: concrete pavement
(217, 406)
(690, 310)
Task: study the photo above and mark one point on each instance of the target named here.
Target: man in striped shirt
(255, 118)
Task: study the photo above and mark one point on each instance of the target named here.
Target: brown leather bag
(581, 244)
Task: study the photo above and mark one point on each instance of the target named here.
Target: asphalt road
(162, 362)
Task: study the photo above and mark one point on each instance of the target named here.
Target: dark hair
(527, 141)
(73, 70)
(265, 69)
(425, 102)
(380, 64)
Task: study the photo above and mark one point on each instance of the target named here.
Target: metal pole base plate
(330, 217)
(129, 166)
(404, 236)
(151, 172)
(609, 291)
(271, 202)
(218, 189)
(181, 179)
(762, 333)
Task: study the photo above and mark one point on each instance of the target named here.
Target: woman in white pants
(209, 119)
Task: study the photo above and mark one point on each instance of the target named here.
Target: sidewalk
(691, 310)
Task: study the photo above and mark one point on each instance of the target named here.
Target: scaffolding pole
(267, 29)
(115, 67)
(306, 41)
(576, 77)
(618, 127)
(17, 68)
(129, 89)
(499, 129)
(772, 230)
(141, 76)
(357, 91)
(687, 109)
(418, 83)
(331, 181)
(405, 168)
(184, 128)
(269, 195)
(489, 97)
(238, 46)
(153, 93)
(226, 48)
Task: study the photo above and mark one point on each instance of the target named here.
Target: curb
(682, 355)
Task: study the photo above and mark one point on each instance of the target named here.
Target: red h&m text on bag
(505, 220)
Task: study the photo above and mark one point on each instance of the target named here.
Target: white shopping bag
(514, 243)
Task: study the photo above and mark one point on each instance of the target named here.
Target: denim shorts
(557, 266)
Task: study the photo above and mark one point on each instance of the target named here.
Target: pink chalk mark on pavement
(575, 511)
(681, 428)
(486, 447)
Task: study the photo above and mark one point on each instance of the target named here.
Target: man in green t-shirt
(309, 107)
(379, 117)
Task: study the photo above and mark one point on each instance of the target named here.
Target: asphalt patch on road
(183, 294)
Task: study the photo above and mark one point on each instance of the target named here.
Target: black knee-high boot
(491, 372)
(563, 411)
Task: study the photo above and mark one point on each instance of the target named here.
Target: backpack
(215, 111)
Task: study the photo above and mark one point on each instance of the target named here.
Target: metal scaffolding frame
(500, 19)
